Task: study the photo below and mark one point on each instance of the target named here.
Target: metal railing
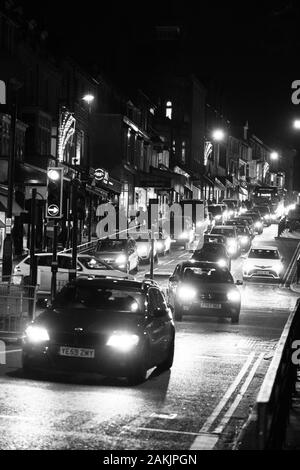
(275, 395)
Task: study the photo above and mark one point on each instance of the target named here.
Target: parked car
(203, 288)
(263, 262)
(219, 213)
(86, 265)
(214, 252)
(112, 327)
(232, 241)
(120, 254)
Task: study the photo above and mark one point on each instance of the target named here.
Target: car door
(64, 266)
(156, 327)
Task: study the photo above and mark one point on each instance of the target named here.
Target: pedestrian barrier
(275, 396)
(17, 304)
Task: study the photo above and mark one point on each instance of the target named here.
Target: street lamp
(218, 135)
(297, 124)
(89, 98)
(274, 156)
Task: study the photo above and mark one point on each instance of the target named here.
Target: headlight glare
(222, 263)
(121, 259)
(233, 296)
(123, 341)
(36, 334)
(186, 293)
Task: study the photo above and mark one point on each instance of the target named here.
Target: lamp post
(89, 98)
(218, 135)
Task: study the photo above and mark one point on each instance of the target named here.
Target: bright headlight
(160, 245)
(233, 296)
(267, 216)
(258, 224)
(121, 259)
(184, 235)
(218, 217)
(244, 240)
(142, 250)
(279, 268)
(36, 334)
(123, 341)
(186, 293)
(222, 263)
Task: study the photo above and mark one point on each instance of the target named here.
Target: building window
(152, 111)
(169, 109)
(173, 147)
(183, 150)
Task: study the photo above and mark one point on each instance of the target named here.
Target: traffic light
(55, 179)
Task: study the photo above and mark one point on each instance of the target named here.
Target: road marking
(218, 409)
(12, 351)
(171, 261)
(240, 395)
(167, 431)
(221, 356)
(204, 442)
(163, 415)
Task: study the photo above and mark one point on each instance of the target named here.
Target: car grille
(219, 296)
(78, 339)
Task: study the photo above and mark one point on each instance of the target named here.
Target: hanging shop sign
(66, 132)
(2, 92)
(101, 175)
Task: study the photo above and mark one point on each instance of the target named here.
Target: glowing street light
(218, 135)
(274, 155)
(88, 98)
(297, 124)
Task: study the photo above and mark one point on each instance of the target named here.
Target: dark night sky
(247, 52)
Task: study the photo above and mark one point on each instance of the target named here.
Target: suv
(232, 241)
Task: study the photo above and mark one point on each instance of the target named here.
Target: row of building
(156, 143)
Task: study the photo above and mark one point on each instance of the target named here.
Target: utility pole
(33, 260)
(72, 272)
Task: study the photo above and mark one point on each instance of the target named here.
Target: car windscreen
(241, 230)
(100, 298)
(264, 254)
(227, 232)
(111, 245)
(212, 249)
(207, 275)
(215, 210)
(89, 262)
(230, 204)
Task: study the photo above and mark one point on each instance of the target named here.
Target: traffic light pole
(72, 274)
(54, 264)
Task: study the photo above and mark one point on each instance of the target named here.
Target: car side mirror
(173, 279)
(239, 283)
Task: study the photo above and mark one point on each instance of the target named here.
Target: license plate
(209, 305)
(77, 352)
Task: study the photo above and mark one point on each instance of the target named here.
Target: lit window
(173, 147)
(152, 111)
(169, 109)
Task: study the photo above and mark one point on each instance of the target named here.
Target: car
(144, 246)
(233, 206)
(86, 265)
(118, 253)
(214, 252)
(265, 214)
(203, 288)
(118, 328)
(232, 241)
(215, 238)
(263, 262)
(163, 242)
(244, 237)
(182, 231)
(257, 220)
(246, 222)
(219, 213)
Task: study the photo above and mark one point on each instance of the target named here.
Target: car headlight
(278, 268)
(230, 213)
(267, 216)
(258, 225)
(222, 263)
(218, 217)
(123, 341)
(186, 293)
(36, 334)
(160, 245)
(121, 259)
(233, 296)
(184, 235)
(142, 250)
(244, 240)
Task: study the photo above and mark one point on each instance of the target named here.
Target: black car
(203, 288)
(214, 252)
(113, 327)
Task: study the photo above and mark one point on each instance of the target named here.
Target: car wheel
(168, 362)
(138, 372)
(178, 313)
(235, 319)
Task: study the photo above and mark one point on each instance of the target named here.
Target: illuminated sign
(207, 151)
(66, 132)
(101, 175)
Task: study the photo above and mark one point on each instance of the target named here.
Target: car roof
(224, 226)
(110, 282)
(195, 263)
(270, 248)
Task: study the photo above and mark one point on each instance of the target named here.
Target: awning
(227, 183)
(243, 191)
(219, 184)
(16, 209)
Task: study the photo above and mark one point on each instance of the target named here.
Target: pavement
(287, 234)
